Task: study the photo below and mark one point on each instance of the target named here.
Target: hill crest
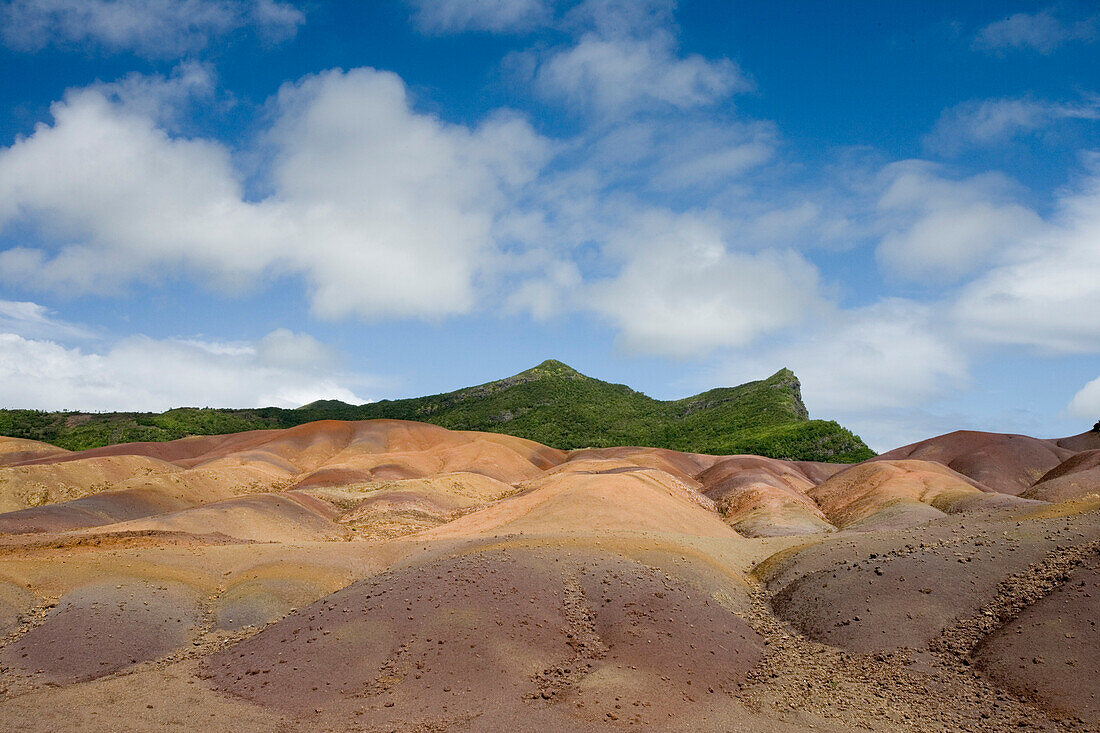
(551, 403)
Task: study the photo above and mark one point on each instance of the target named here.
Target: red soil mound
(1085, 441)
(763, 497)
(327, 443)
(1006, 463)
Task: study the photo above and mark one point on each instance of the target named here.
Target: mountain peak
(325, 405)
(553, 367)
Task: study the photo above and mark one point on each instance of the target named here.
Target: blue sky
(250, 202)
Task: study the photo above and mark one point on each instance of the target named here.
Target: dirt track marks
(1014, 594)
(582, 638)
(899, 690)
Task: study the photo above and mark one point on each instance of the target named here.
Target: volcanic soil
(388, 575)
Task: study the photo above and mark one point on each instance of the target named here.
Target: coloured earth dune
(386, 575)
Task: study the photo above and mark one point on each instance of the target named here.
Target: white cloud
(1086, 403)
(276, 21)
(164, 100)
(152, 28)
(144, 374)
(873, 368)
(939, 229)
(696, 155)
(31, 319)
(616, 76)
(124, 197)
(888, 355)
(396, 209)
(497, 16)
(984, 122)
(892, 354)
(682, 292)
(1046, 292)
(1041, 32)
(383, 211)
(548, 293)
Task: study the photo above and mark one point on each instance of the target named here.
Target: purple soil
(1084, 461)
(904, 589)
(101, 629)
(1085, 441)
(1051, 651)
(499, 634)
(1074, 478)
(90, 511)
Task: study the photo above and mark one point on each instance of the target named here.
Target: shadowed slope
(1074, 478)
(1006, 463)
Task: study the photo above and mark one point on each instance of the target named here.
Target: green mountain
(551, 403)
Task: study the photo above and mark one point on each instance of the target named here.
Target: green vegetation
(551, 403)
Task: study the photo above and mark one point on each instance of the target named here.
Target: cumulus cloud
(1086, 403)
(984, 122)
(1042, 32)
(382, 210)
(152, 28)
(398, 208)
(549, 293)
(608, 76)
(939, 229)
(496, 16)
(122, 197)
(682, 292)
(625, 57)
(1046, 291)
(166, 100)
(144, 374)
